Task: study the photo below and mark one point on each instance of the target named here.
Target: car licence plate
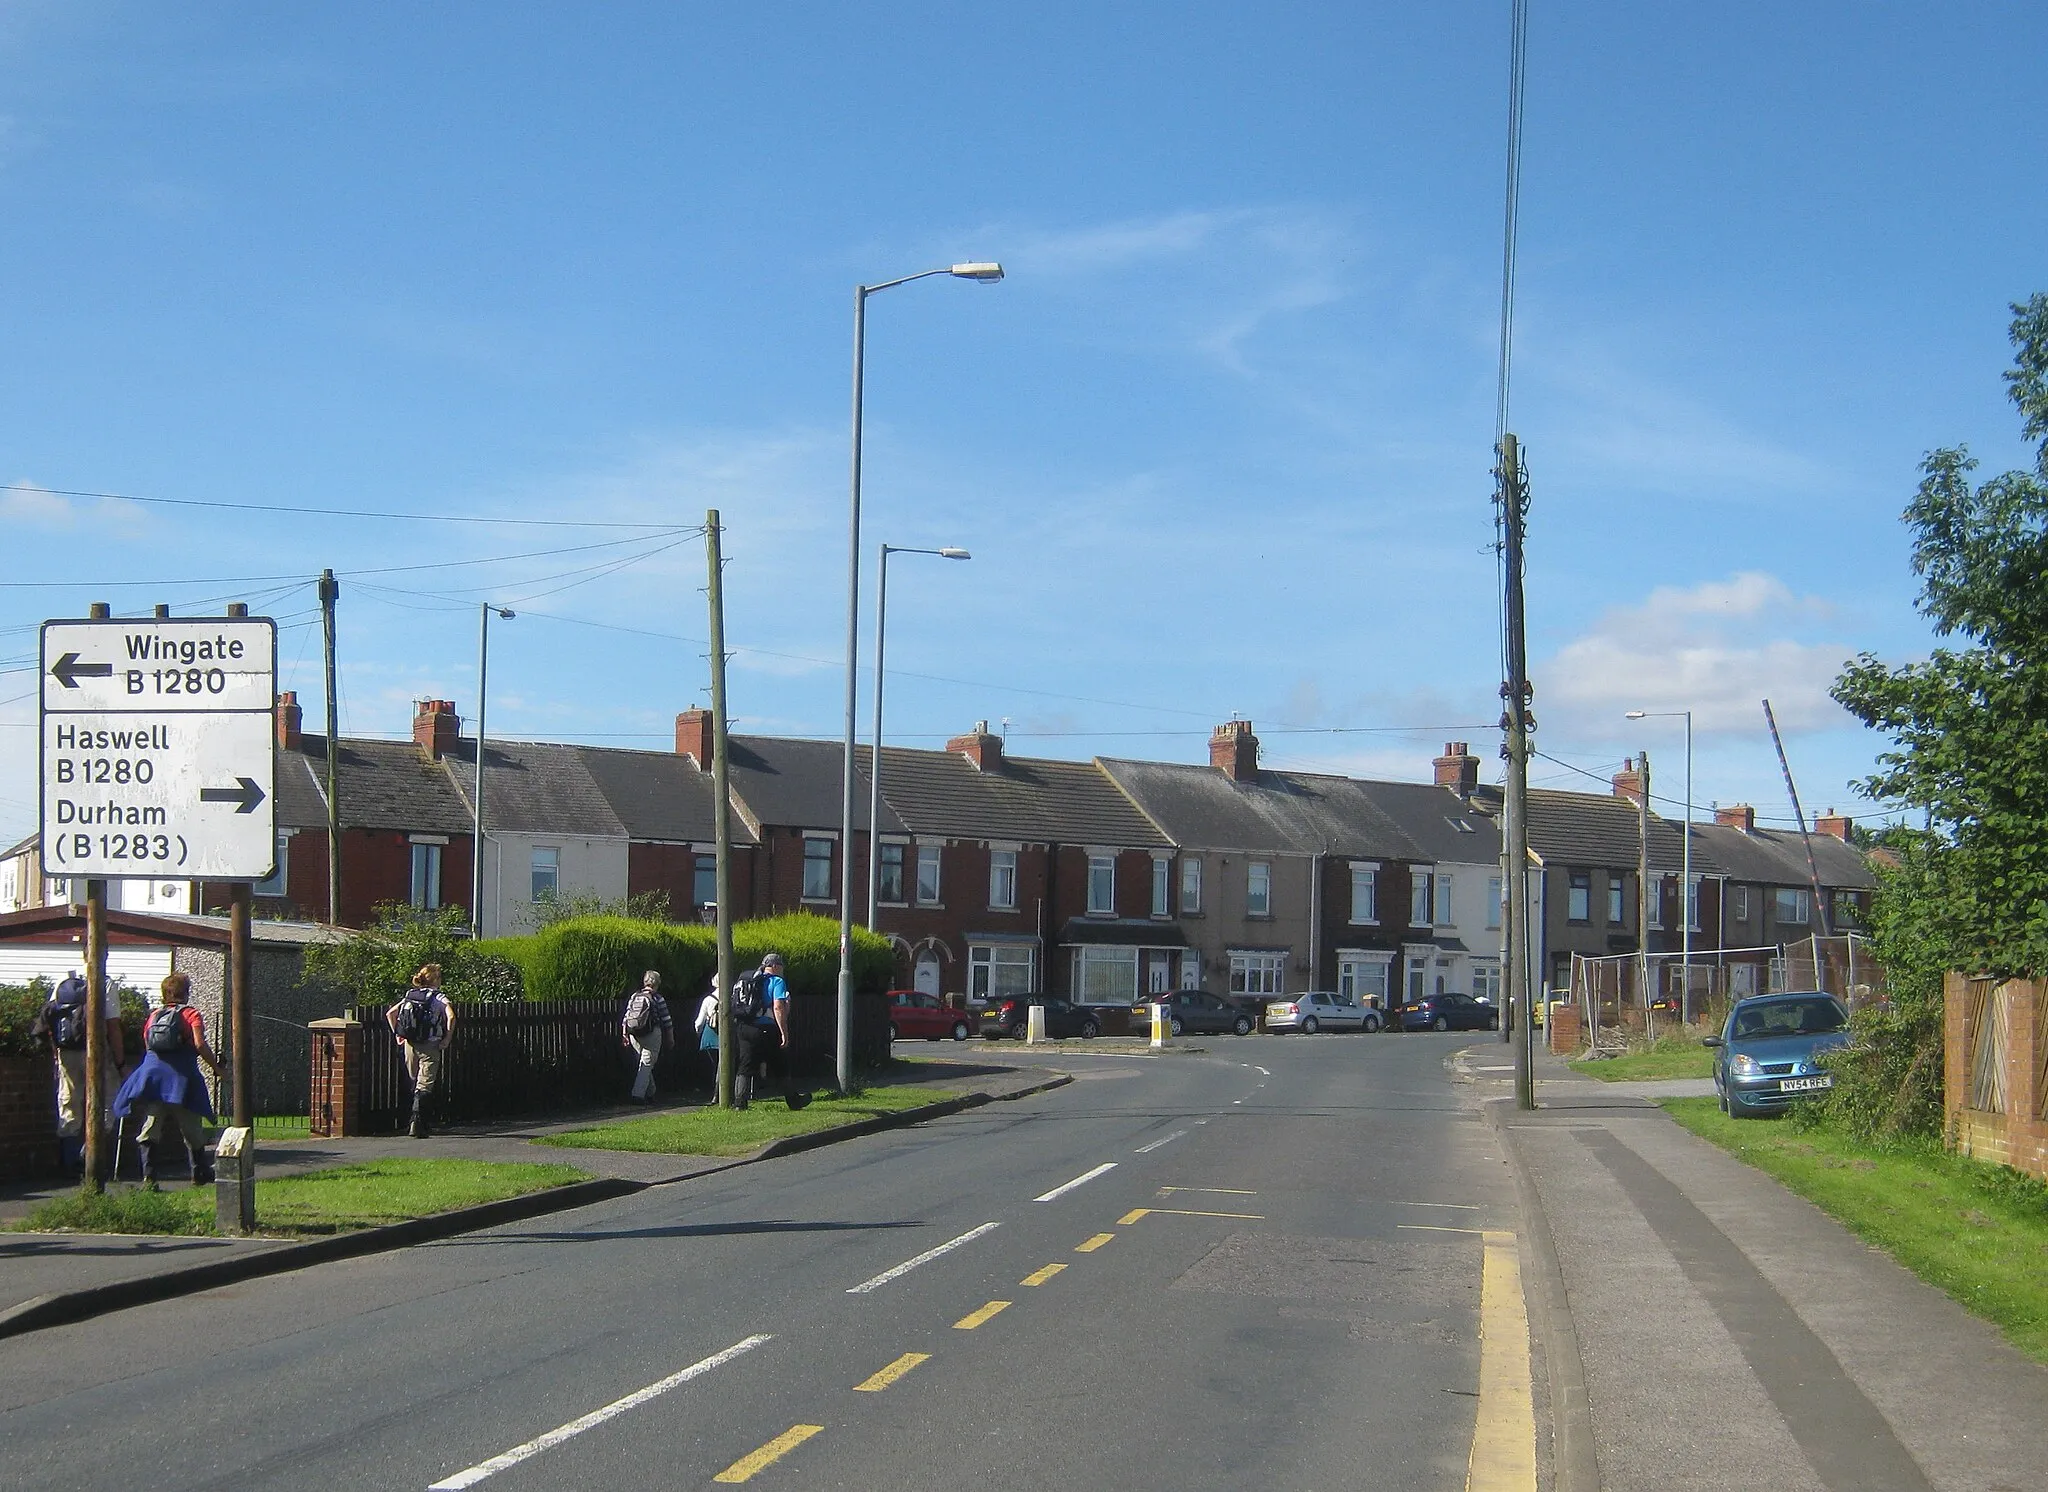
(1806, 1085)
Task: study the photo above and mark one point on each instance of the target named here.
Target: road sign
(157, 748)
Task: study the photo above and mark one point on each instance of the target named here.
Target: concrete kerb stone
(67, 1307)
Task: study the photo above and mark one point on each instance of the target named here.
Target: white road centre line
(593, 1419)
(924, 1258)
(1081, 1180)
(1264, 1073)
(1148, 1149)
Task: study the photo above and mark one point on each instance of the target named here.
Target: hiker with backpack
(62, 1022)
(166, 1086)
(707, 1034)
(760, 1032)
(422, 1020)
(645, 1028)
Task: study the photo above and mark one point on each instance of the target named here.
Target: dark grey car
(1768, 1054)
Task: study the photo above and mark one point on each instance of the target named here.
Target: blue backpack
(421, 1021)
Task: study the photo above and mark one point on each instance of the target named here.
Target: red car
(913, 1015)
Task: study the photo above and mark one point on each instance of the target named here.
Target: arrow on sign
(248, 795)
(67, 670)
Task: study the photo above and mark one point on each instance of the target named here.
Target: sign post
(156, 762)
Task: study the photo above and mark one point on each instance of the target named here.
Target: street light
(983, 273)
(875, 761)
(476, 849)
(1685, 897)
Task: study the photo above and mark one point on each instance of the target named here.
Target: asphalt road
(1269, 1277)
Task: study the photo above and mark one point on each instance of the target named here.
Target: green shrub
(1888, 1080)
(20, 1004)
(375, 966)
(589, 957)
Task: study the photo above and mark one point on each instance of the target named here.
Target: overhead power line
(305, 512)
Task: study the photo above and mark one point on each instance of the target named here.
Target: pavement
(36, 1266)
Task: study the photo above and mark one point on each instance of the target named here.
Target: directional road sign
(157, 748)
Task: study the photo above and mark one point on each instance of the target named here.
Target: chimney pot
(1834, 825)
(435, 727)
(1234, 750)
(1737, 816)
(979, 747)
(289, 719)
(1628, 782)
(693, 736)
(1457, 769)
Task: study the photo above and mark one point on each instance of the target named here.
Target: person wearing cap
(766, 1041)
(645, 1028)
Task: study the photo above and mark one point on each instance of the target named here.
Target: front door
(926, 978)
(1158, 973)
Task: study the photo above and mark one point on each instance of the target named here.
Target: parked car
(1195, 1010)
(1007, 1017)
(1320, 1009)
(1449, 1012)
(914, 1015)
(1767, 1056)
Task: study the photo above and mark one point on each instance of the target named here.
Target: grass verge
(1671, 1057)
(1977, 1232)
(723, 1132)
(334, 1200)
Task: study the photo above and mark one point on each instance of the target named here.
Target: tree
(1969, 726)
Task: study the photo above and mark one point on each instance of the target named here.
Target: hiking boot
(742, 1090)
(418, 1127)
(202, 1169)
(148, 1149)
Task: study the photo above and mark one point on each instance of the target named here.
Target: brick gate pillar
(334, 1111)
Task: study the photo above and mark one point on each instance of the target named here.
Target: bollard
(1160, 1029)
(234, 1181)
(1034, 1024)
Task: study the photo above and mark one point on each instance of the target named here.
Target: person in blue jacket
(166, 1087)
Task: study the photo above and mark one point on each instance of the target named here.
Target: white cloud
(1716, 648)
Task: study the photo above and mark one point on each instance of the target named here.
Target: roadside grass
(334, 1200)
(1978, 1232)
(712, 1131)
(1671, 1057)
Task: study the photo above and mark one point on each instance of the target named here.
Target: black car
(1195, 1010)
(1449, 1012)
(1007, 1017)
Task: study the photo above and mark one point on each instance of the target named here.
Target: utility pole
(1820, 906)
(240, 1018)
(1643, 990)
(97, 1162)
(330, 592)
(1516, 722)
(721, 806)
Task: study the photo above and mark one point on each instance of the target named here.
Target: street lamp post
(875, 760)
(476, 798)
(987, 274)
(1685, 896)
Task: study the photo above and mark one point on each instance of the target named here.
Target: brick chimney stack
(979, 747)
(1834, 825)
(1628, 782)
(1234, 750)
(1736, 816)
(693, 737)
(435, 726)
(289, 716)
(1457, 769)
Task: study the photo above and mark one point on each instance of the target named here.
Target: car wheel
(1243, 1027)
(1369, 1025)
(1017, 1031)
(959, 1030)
(1310, 1026)
(1177, 1026)
(1089, 1030)
(1441, 1023)
(892, 1030)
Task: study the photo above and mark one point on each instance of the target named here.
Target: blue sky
(1220, 443)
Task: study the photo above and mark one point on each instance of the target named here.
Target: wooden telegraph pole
(1515, 724)
(239, 1016)
(1643, 895)
(97, 1162)
(330, 592)
(721, 806)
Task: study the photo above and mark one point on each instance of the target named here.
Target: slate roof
(1305, 813)
(533, 787)
(1776, 857)
(1591, 829)
(658, 795)
(1443, 827)
(797, 783)
(384, 785)
(1027, 800)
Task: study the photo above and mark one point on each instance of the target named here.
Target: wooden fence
(1995, 1052)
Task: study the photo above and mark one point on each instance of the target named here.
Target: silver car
(1321, 1010)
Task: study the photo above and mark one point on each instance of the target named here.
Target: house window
(273, 884)
(1258, 973)
(927, 875)
(1418, 898)
(1848, 911)
(704, 880)
(1793, 905)
(997, 971)
(1444, 916)
(1105, 976)
(818, 869)
(1615, 912)
(1365, 894)
(1190, 886)
(1258, 889)
(888, 877)
(1741, 980)
(1496, 898)
(1692, 904)
(1002, 880)
(425, 893)
(1738, 908)
(1578, 903)
(1102, 885)
(547, 871)
(1657, 901)
(1486, 981)
(1363, 977)
(1162, 886)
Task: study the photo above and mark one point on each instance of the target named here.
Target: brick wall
(28, 1117)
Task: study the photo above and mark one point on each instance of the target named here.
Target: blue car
(1767, 1056)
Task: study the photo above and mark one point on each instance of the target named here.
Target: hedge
(598, 956)
(20, 1004)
